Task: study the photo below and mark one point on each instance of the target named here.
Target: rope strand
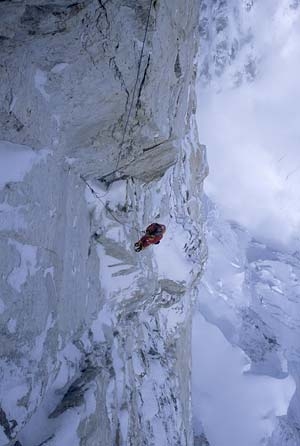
(135, 85)
(105, 205)
(99, 197)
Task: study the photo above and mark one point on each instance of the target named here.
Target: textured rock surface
(87, 361)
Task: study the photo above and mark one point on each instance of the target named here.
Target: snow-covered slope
(95, 339)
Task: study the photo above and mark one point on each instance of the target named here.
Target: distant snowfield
(252, 133)
(236, 399)
(235, 408)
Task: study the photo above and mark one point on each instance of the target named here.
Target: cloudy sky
(252, 132)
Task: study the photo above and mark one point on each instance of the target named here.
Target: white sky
(252, 132)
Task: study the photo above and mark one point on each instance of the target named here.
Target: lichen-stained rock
(98, 139)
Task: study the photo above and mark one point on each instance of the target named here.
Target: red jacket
(155, 229)
(154, 234)
(147, 240)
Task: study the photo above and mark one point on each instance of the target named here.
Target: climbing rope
(135, 85)
(99, 197)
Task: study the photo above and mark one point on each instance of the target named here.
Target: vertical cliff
(98, 139)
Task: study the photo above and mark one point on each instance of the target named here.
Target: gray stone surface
(68, 71)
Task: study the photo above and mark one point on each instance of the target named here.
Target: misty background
(249, 119)
(252, 129)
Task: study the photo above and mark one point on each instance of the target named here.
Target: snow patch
(16, 160)
(123, 419)
(97, 326)
(243, 406)
(170, 255)
(50, 271)
(13, 103)
(67, 430)
(150, 407)
(13, 388)
(12, 325)
(37, 351)
(116, 193)
(59, 67)
(27, 266)
(40, 80)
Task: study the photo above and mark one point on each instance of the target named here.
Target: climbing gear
(153, 236)
(138, 246)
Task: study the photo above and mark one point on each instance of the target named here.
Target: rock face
(98, 139)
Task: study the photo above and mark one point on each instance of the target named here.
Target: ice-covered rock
(98, 139)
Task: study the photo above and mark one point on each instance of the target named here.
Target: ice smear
(59, 67)
(159, 431)
(123, 419)
(12, 391)
(243, 406)
(97, 326)
(50, 271)
(118, 368)
(116, 193)
(150, 407)
(11, 325)
(69, 355)
(11, 217)
(13, 103)
(27, 266)
(37, 351)
(40, 80)
(16, 160)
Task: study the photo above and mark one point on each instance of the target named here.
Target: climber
(154, 234)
